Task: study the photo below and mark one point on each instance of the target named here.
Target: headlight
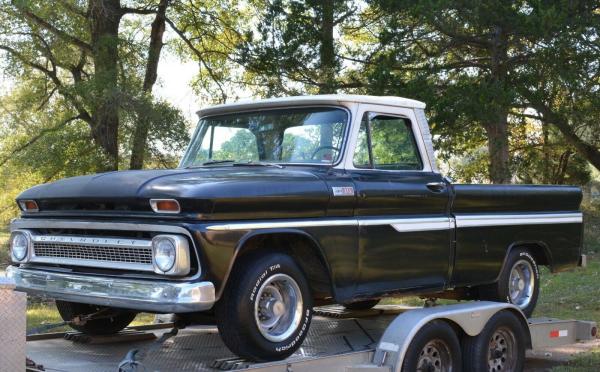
(165, 253)
(19, 245)
(171, 255)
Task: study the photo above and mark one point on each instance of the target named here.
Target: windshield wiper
(258, 163)
(210, 162)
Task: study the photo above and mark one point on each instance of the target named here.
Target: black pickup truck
(279, 205)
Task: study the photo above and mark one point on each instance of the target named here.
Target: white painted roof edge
(315, 99)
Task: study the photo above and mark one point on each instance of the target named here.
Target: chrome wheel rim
(435, 357)
(521, 283)
(278, 307)
(502, 353)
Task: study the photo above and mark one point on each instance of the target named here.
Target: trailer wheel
(518, 284)
(434, 348)
(265, 312)
(361, 305)
(499, 347)
(95, 327)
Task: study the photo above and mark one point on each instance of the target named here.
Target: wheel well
(302, 249)
(538, 250)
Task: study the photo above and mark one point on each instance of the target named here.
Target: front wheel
(105, 325)
(518, 283)
(265, 312)
(361, 305)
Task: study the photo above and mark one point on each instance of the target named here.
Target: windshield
(299, 135)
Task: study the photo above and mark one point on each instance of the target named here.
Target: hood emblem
(343, 191)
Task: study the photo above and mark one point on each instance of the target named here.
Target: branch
(199, 55)
(61, 34)
(74, 8)
(143, 11)
(35, 138)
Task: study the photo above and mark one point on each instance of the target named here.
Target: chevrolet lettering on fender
(280, 205)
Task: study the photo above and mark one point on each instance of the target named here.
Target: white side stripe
(516, 219)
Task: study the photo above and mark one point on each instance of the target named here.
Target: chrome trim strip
(152, 296)
(400, 224)
(412, 224)
(97, 241)
(33, 223)
(480, 220)
(281, 225)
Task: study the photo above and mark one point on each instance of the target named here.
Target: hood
(215, 193)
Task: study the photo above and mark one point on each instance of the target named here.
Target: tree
(467, 59)
(296, 47)
(89, 58)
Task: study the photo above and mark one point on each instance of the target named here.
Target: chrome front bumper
(152, 296)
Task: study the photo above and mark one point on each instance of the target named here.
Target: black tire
(361, 305)
(235, 311)
(500, 291)
(493, 342)
(435, 345)
(96, 327)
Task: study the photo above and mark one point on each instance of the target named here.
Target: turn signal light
(165, 205)
(28, 205)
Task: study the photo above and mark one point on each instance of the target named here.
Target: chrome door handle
(436, 186)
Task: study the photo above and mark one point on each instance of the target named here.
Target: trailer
(479, 335)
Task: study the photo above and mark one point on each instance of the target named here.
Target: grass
(587, 362)
(572, 294)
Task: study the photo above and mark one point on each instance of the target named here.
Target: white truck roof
(315, 99)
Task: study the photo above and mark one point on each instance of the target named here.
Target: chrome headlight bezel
(181, 264)
(29, 248)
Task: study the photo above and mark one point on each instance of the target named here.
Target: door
(405, 230)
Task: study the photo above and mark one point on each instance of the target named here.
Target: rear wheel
(518, 283)
(499, 347)
(107, 325)
(266, 309)
(361, 305)
(434, 348)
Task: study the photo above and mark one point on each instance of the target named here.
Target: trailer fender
(470, 317)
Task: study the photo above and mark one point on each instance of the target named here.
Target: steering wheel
(321, 148)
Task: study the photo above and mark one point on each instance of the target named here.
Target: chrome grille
(94, 252)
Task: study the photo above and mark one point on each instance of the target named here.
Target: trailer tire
(518, 283)
(95, 327)
(434, 347)
(500, 346)
(361, 305)
(266, 308)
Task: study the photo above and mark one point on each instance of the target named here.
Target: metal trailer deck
(338, 340)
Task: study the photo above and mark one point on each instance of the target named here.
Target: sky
(174, 77)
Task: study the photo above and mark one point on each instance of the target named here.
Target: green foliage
(297, 47)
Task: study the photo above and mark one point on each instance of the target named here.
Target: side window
(392, 144)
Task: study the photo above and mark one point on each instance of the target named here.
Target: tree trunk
(497, 127)
(105, 18)
(327, 49)
(497, 132)
(546, 151)
(140, 135)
